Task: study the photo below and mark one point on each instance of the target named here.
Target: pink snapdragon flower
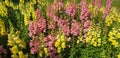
(3, 52)
(32, 28)
(97, 3)
(52, 25)
(84, 11)
(71, 10)
(57, 5)
(34, 45)
(64, 24)
(87, 25)
(61, 22)
(55, 18)
(41, 25)
(75, 28)
(107, 7)
(38, 14)
(50, 11)
(66, 30)
(49, 43)
(37, 26)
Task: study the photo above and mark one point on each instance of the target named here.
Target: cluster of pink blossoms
(37, 26)
(51, 15)
(49, 43)
(97, 3)
(71, 10)
(57, 5)
(107, 7)
(84, 16)
(87, 24)
(3, 52)
(84, 11)
(75, 28)
(64, 24)
(34, 45)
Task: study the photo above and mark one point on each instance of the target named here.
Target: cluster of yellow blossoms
(27, 9)
(16, 45)
(118, 55)
(60, 43)
(114, 35)
(112, 17)
(93, 37)
(2, 28)
(3, 9)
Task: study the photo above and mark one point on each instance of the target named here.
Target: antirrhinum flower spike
(75, 28)
(84, 11)
(107, 8)
(71, 10)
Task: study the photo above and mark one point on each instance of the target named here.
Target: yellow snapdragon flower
(7, 2)
(3, 9)
(41, 53)
(14, 56)
(21, 55)
(59, 49)
(113, 36)
(21, 1)
(57, 43)
(93, 37)
(60, 42)
(118, 55)
(14, 49)
(2, 28)
(63, 45)
(46, 51)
